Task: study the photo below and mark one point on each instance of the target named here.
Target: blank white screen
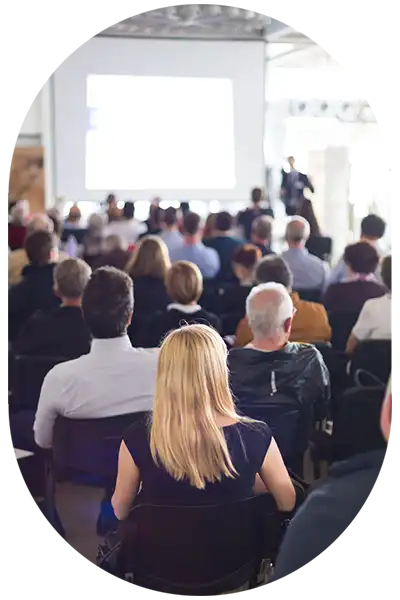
(216, 66)
(172, 133)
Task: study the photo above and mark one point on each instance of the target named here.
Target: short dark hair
(386, 272)
(361, 258)
(223, 221)
(274, 269)
(38, 247)
(191, 223)
(129, 210)
(107, 303)
(256, 195)
(170, 216)
(373, 227)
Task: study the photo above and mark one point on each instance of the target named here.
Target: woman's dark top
(60, 333)
(153, 331)
(350, 296)
(247, 444)
(150, 295)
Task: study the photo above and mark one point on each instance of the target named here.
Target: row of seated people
(186, 383)
(166, 294)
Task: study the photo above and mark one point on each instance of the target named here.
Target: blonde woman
(148, 268)
(197, 450)
(184, 283)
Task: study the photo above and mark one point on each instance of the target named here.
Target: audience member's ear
(56, 291)
(54, 255)
(287, 326)
(129, 319)
(386, 414)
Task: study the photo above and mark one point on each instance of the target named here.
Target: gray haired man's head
(297, 231)
(71, 277)
(40, 222)
(269, 310)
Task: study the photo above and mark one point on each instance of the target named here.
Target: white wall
(32, 125)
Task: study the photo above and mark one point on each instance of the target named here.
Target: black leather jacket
(296, 373)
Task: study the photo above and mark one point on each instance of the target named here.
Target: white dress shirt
(113, 379)
(375, 320)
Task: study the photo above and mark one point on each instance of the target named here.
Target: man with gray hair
(309, 272)
(261, 234)
(61, 332)
(274, 374)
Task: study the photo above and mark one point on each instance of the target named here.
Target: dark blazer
(290, 192)
(61, 333)
(156, 328)
(34, 292)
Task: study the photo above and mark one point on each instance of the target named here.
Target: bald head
(269, 309)
(297, 231)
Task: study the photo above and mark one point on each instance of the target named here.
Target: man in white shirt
(114, 378)
(128, 227)
(375, 319)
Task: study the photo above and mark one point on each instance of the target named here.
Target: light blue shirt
(172, 239)
(309, 272)
(206, 259)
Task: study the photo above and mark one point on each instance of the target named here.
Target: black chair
(201, 550)
(311, 295)
(27, 375)
(320, 246)
(342, 324)
(356, 422)
(291, 427)
(372, 357)
(85, 451)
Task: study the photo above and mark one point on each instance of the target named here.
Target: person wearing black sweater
(184, 284)
(62, 332)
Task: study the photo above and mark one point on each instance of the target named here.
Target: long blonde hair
(150, 259)
(192, 388)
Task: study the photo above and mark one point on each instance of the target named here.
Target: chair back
(311, 295)
(200, 550)
(290, 425)
(374, 357)
(320, 246)
(230, 321)
(356, 422)
(87, 449)
(341, 324)
(28, 373)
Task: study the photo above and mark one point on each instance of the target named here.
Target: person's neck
(370, 241)
(219, 233)
(74, 302)
(191, 240)
(269, 344)
(171, 228)
(296, 245)
(247, 281)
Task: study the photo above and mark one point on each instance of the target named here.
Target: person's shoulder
(138, 432)
(145, 356)
(257, 430)
(312, 307)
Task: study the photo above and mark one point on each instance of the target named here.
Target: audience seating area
(211, 548)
